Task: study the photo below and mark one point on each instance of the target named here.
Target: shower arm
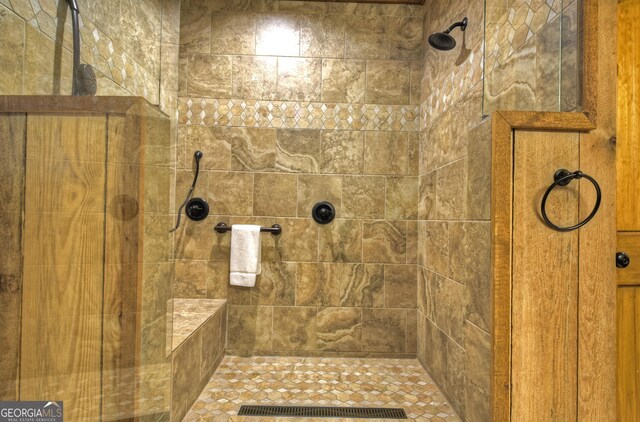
(75, 11)
(462, 23)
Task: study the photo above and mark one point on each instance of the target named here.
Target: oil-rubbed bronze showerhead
(443, 41)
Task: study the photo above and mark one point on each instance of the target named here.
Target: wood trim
(501, 249)
(533, 120)
(76, 105)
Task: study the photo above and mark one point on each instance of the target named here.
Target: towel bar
(275, 230)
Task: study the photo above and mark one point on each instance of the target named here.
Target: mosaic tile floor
(299, 381)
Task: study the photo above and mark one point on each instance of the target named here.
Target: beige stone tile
(315, 285)
(435, 236)
(451, 195)
(42, 76)
(277, 35)
(254, 77)
(275, 195)
(413, 166)
(341, 241)
(367, 38)
(183, 75)
(388, 82)
(470, 263)
(294, 328)
(253, 149)
(210, 76)
(427, 196)
(190, 279)
(427, 293)
(233, 33)
(360, 284)
(12, 33)
(185, 367)
(193, 240)
(298, 150)
(230, 193)
(450, 308)
(298, 241)
(412, 242)
(195, 31)
(412, 331)
(405, 38)
(383, 330)
(339, 329)
(363, 196)
(214, 142)
(299, 79)
(386, 153)
(217, 279)
(342, 152)
(343, 81)
(402, 198)
(400, 286)
(322, 35)
(384, 241)
(313, 189)
(275, 285)
(250, 328)
(455, 376)
(477, 345)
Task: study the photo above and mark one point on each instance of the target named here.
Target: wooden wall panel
(63, 262)
(12, 130)
(629, 353)
(628, 116)
(545, 281)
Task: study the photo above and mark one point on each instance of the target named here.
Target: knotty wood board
(63, 262)
(545, 281)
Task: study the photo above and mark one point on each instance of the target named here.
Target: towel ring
(563, 177)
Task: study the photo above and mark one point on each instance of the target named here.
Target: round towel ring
(563, 177)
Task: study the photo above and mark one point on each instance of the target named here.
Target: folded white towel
(244, 262)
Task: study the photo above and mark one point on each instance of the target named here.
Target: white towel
(244, 263)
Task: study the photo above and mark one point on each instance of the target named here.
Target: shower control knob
(323, 212)
(622, 260)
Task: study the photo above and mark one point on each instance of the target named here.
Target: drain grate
(323, 412)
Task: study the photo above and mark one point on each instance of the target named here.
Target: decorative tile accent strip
(508, 28)
(297, 115)
(455, 85)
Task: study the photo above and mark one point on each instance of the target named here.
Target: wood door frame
(596, 379)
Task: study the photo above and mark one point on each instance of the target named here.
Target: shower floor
(304, 381)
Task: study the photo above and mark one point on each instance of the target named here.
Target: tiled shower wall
(454, 230)
(532, 56)
(294, 103)
(132, 45)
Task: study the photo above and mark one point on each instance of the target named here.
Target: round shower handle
(563, 177)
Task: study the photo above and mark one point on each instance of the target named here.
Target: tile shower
(293, 103)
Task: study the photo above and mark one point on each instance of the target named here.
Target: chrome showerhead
(443, 41)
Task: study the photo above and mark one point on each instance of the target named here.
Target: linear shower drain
(323, 412)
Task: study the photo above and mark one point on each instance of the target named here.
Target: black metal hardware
(563, 177)
(622, 260)
(196, 206)
(275, 230)
(197, 209)
(323, 212)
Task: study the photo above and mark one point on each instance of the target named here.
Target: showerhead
(443, 41)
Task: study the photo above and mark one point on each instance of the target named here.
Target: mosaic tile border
(297, 115)
(508, 28)
(446, 92)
